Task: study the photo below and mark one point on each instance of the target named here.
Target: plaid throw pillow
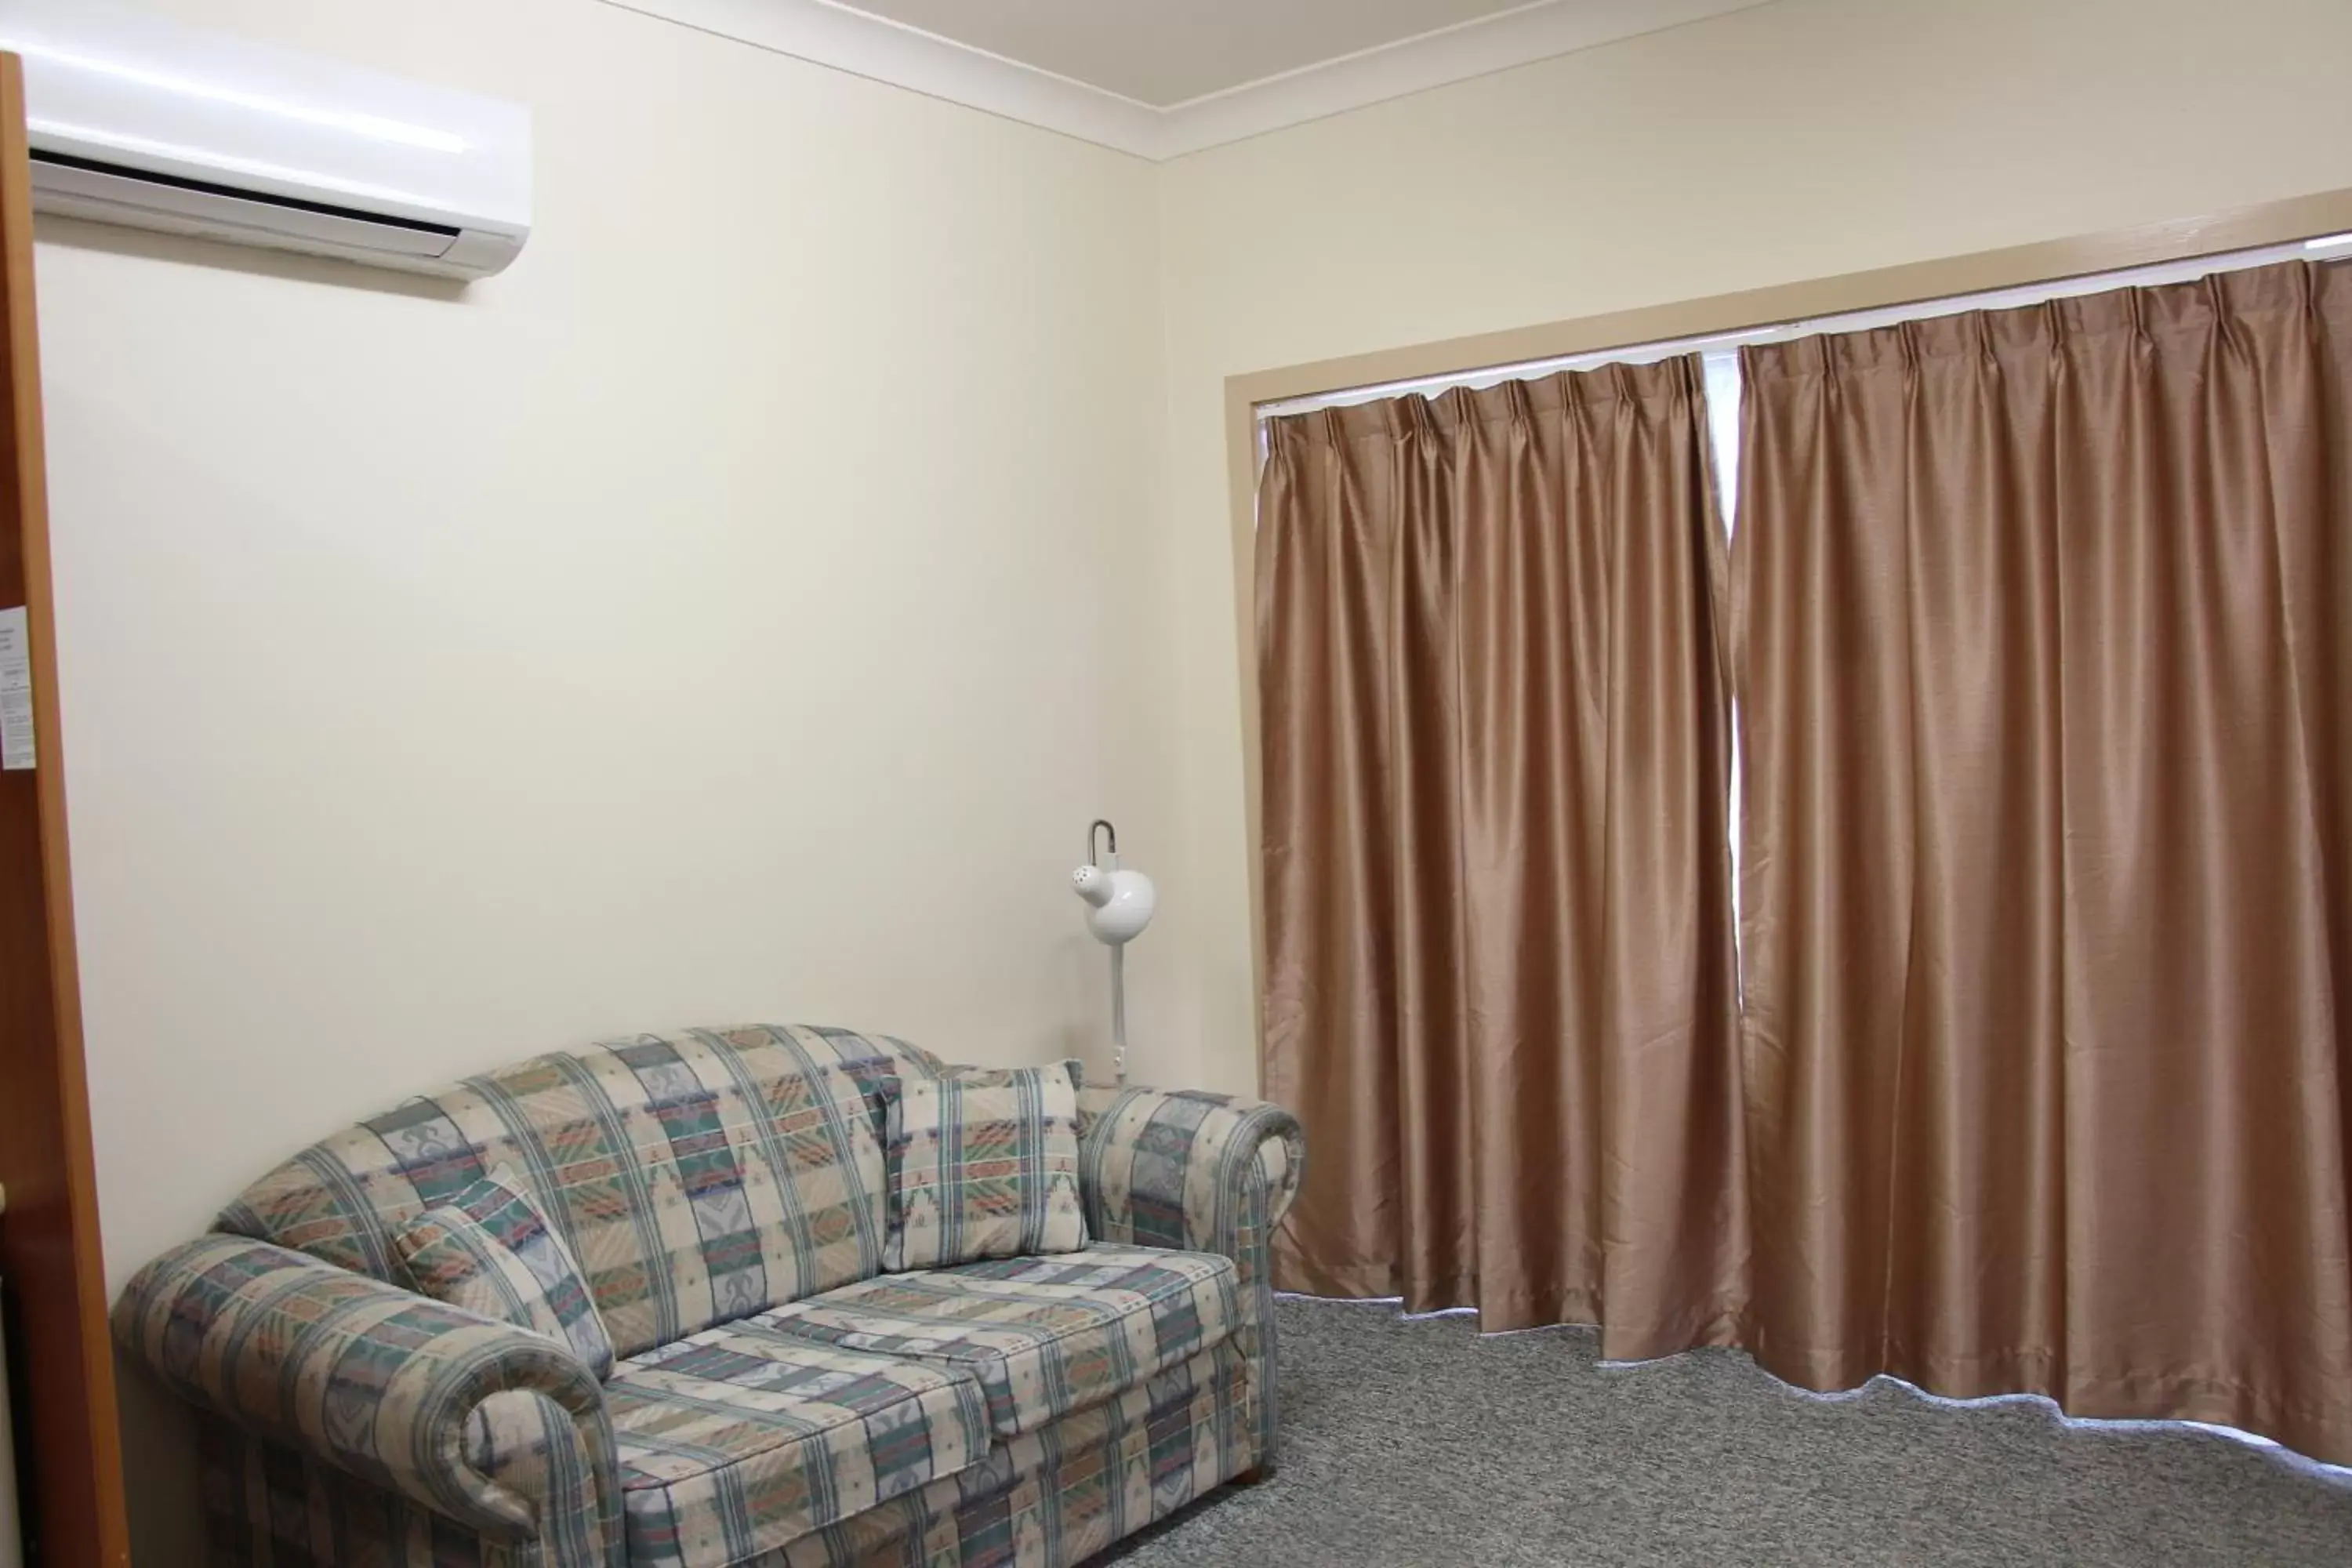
(490, 1250)
(982, 1165)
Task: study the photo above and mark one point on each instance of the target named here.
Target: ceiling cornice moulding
(832, 34)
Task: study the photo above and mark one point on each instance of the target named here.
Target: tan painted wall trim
(1984, 271)
(2275, 223)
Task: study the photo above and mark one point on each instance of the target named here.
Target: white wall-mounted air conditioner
(138, 120)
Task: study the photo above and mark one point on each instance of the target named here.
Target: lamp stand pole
(1119, 1011)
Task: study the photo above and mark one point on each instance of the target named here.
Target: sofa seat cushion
(741, 1439)
(1044, 1337)
(1070, 1488)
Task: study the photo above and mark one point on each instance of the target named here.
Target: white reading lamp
(1118, 906)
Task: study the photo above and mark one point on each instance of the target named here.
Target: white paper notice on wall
(17, 751)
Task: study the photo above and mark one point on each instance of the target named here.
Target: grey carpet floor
(1421, 1445)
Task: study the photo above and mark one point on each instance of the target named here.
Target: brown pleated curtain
(1501, 986)
(2045, 621)
(2044, 648)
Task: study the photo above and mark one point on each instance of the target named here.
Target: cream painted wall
(718, 616)
(739, 608)
(1800, 140)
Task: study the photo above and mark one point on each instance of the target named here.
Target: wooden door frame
(69, 1441)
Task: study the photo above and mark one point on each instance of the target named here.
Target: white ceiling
(1167, 52)
(1164, 78)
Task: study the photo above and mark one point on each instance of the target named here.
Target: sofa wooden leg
(1255, 1475)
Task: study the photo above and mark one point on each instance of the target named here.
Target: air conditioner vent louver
(138, 121)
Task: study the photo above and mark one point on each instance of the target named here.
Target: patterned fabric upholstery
(489, 1250)
(348, 1421)
(530, 1447)
(697, 1178)
(741, 1439)
(376, 1381)
(1049, 1500)
(1043, 1336)
(1208, 1173)
(1058, 1496)
(982, 1165)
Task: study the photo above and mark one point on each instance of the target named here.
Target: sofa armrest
(1184, 1169)
(1203, 1172)
(375, 1380)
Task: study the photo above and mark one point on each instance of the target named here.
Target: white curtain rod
(1853, 321)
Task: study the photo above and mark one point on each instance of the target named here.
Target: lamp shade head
(1091, 883)
(1120, 904)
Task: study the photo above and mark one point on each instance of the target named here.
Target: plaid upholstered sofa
(777, 1399)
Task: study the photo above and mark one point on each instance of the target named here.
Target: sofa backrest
(698, 1177)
